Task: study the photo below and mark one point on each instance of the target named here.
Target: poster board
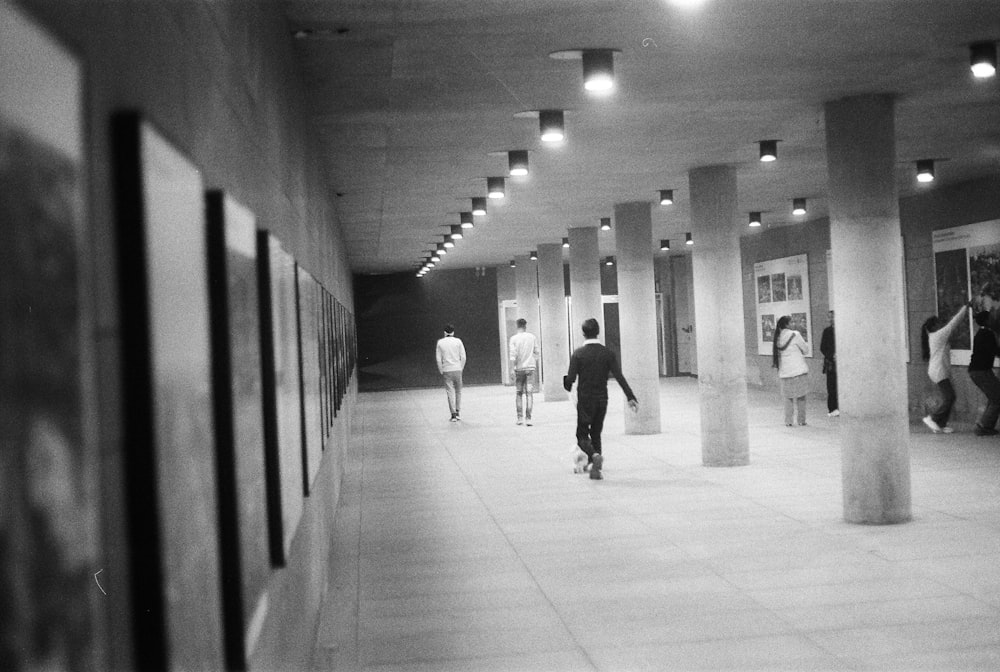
(782, 288)
(967, 267)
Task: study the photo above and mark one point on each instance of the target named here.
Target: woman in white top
(937, 352)
(789, 358)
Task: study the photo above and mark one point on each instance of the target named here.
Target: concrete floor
(473, 546)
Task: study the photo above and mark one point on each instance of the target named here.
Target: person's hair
(778, 328)
(982, 318)
(591, 328)
(521, 322)
(449, 329)
(925, 343)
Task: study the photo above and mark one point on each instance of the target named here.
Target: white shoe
(929, 421)
(834, 413)
(948, 430)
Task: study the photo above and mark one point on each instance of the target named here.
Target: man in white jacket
(451, 363)
(524, 357)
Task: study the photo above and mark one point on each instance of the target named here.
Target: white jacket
(792, 360)
(450, 354)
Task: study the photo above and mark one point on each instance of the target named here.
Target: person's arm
(538, 355)
(570, 376)
(801, 343)
(616, 371)
(953, 322)
(439, 358)
(461, 353)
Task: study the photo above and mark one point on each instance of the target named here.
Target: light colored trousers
(453, 386)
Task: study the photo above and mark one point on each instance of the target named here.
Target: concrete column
(584, 281)
(552, 309)
(867, 284)
(637, 313)
(718, 310)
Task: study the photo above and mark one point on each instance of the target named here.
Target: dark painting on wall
(49, 478)
(169, 429)
(952, 277)
(308, 321)
(236, 354)
(778, 288)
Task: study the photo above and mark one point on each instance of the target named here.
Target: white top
(523, 350)
(939, 365)
(450, 354)
(792, 360)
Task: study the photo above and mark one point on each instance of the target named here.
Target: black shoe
(985, 431)
(595, 468)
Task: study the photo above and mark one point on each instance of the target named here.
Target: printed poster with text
(782, 289)
(967, 267)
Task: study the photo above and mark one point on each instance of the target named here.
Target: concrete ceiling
(415, 103)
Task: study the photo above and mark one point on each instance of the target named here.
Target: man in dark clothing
(984, 351)
(592, 362)
(828, 346)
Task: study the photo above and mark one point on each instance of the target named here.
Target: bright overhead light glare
(551, 124)
(925, 170)
(799, 206)
(598, 70)
(754, 219)
(983, 59)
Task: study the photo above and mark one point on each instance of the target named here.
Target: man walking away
(524, 359)
(828, 346)
(451, 362)
(591, 363)
(984, 351)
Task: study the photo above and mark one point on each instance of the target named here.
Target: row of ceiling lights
(598, 76)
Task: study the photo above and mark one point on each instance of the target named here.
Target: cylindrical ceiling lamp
(448, 242)
(768, 150)
(665, 244)
(533, 255)
(598, 70)
(565, 242)
(551, 125)
(495, 187)
(983, 59)
(478, 206)
(687, 239)
(456, 232)
(754, 219)
(798, 206)
(925, 170)
(517, 159)
(609, 261)
(666, 196)
(435, 257)
(441, 249)
(513, 264)
(605, 223)
(466, 220)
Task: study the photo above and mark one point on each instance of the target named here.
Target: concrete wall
(219, 80)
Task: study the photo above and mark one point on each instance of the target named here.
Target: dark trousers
(988, 383)
(590, 414)
(943, 412)
(832, 403)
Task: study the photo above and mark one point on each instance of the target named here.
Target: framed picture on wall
(49, 547)
(782, 289)
(309, 365)
(236, 356)
(168, 424)
(967, 268)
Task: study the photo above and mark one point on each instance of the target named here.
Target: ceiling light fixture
(495, 187)
(448, 242)
(605, 223)
(456, 232)
(551, 124)
(798, 206)
(441, 249)
(533, 255)
(517, 159)
(925, 170)
(435, 257)
(666, 196)
(513, 264)
(754, 219)
(609, 261)
(983, 59)
(478, 206)
(687, 239)
(565, 242)
(768, 150)
(598, 70)
(665, 244)
(466, 220)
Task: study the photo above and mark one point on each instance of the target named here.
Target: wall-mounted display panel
(782, 289)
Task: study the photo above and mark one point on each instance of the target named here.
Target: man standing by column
(984, 351)
(524, 359)
(451, 362)
(828, 347)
